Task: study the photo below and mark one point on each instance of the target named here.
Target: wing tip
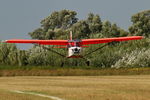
(4, 41)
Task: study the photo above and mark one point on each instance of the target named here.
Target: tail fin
(70, 35)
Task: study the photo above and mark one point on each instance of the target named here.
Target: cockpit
(74, 47)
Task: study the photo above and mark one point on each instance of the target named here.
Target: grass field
(133, 87)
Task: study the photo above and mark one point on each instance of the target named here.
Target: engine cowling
(74, 51)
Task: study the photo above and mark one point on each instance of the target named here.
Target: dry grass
(77, 87)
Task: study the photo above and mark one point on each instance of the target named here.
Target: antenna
(71, 35)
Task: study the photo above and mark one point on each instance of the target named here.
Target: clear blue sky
(18, 17)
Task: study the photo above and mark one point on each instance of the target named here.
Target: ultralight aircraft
(74, 46)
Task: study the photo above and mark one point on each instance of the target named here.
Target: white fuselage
(74, 51)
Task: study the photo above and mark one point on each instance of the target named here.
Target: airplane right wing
(107, 40)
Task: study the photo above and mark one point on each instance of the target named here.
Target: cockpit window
(77, 44)
(74, 43)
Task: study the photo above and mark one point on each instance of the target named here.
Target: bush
(137, 58)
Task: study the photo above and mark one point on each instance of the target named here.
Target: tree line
(58, 25)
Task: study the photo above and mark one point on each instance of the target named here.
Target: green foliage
(81, 29)
(38, 34)
(136, 55)
(94, 22)
(8, 54)
(106, 57)
(141, 23)
(112, 30)
(139, 58)
(37, 56)
(22, 57)
(62, 19)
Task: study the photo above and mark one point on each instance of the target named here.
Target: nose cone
(76, 49)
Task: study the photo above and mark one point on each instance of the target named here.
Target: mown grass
(69, 71)
(135, 87)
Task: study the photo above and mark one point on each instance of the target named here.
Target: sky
(19, 17)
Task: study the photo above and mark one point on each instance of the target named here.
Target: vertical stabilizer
(71, 35)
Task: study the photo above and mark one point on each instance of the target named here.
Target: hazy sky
(18, 17)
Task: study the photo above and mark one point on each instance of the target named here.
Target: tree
(22, 57)
(112, 30)
(38, 34)
(62, 19)
(81, 29)
(94, 22)
(37, 56)
(106, 28)
(8, 54)
(141, 23)
(58, 20)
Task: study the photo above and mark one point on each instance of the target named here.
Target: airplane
(74, 46)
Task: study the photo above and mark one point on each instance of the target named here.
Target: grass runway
(133, 87)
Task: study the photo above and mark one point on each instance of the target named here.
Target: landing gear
(62, 64)
(88, 63)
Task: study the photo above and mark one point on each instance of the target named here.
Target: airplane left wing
(43, 42)
(107, 40)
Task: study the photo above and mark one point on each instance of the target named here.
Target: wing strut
(110, 43)
(95, 50)
(53, 51)
(87, 60)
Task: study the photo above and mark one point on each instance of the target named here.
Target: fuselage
(74, 49)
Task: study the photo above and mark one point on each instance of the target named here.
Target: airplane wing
(107, 40)
(42, 42)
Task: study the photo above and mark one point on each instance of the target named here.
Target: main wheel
(88, 63)
(62, 64)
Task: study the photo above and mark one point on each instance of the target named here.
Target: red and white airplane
(75, 46)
